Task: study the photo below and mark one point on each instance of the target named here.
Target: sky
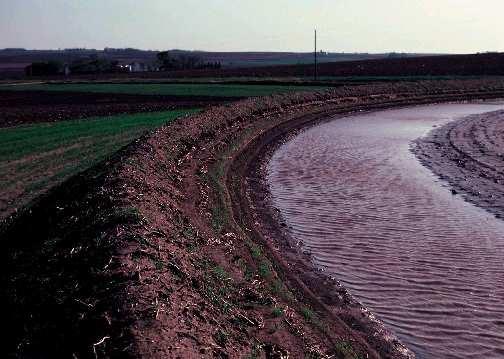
(426, 26)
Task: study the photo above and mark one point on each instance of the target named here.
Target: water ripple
(429, 264)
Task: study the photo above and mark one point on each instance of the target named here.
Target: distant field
(486, 64)
(37, 157)
(217, 90)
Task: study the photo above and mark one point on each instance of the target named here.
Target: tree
(44, 68)
(166, 61)
(94, 65)
(169, 61)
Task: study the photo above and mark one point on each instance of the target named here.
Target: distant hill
(14, 60)
(484, 64)
(260, 59)
(276, 64)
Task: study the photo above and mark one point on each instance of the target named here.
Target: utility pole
(315, 53)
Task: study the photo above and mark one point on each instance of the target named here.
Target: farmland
(49, 132)
(27, 107)
(211, 90)
(486, 64)
(34, 158)
(13, 61)
(263, 65)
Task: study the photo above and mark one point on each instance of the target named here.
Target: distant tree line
(44, 68)
(169, 61)
(93, 65)
(96, 65)
(123, 50)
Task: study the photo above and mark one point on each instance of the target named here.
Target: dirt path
(469, 155)
(166, 250)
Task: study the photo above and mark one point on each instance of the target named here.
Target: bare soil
(169, 250)
(25, 107)
(447, 65)
(469, 155)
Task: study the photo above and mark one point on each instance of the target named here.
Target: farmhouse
(141, 67)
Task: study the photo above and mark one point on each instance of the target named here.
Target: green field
(217, 90)
(34, 158)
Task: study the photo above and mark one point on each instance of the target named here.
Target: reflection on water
(429, 264)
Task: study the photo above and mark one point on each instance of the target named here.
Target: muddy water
(430, 265)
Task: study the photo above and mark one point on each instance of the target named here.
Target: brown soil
(167, 251)
(448, 65)
(469, 155)
(23, 107)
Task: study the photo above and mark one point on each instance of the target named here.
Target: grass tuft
(307, 314)
(264, 270)
(277, 312)
(345, 350)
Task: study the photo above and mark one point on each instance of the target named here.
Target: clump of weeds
(345, 350)
(277, 312)
(307, 314)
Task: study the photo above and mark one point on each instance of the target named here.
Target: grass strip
(217, 90)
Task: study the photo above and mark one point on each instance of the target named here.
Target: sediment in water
(469, 155)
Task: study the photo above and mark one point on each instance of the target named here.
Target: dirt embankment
(166, 250)
(24, 107)
(469, 155)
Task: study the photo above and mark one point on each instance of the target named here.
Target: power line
(315, 55)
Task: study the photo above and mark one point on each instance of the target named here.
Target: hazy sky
(457, 26)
